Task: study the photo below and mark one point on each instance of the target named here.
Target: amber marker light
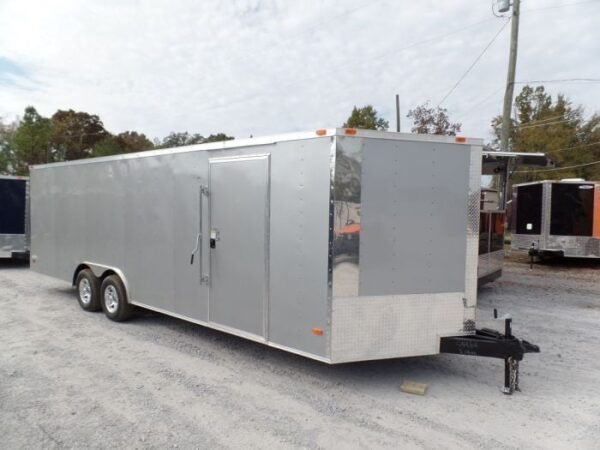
(350, 131)
(460, 139)
(321, 132)
(317, 331)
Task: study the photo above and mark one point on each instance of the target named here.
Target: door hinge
(204, 279)
(204, 190)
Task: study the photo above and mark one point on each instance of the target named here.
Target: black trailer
(14, 217)
(557, 218)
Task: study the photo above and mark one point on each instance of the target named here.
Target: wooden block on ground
(412, 387)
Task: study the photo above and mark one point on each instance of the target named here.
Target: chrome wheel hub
(111, 299)
(85, 291)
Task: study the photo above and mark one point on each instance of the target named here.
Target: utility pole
(398, 113)
(510, 81)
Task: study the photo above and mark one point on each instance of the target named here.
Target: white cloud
(268, 66)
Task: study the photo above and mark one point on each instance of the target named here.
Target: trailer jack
(533, 253)
(493, 344)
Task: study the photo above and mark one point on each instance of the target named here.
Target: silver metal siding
(124, 213)
(239, 212)
(141, 215)
(43, 224)
(299, 244)
(27, 216)
(546, 212)
(413, 218)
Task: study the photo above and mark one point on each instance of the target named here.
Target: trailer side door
(239, 223)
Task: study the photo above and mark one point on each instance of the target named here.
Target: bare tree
(429, 120)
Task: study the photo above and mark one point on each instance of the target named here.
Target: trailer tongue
(493, 344)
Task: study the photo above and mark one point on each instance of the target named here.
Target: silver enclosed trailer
(560, 218)
(338, 244)
(496, 168)
(14, 216)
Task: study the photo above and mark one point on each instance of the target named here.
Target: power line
(474, 62)
(479, 103)
(558, 168)
(326, 20)
(251, 57)
(547, 119)
(541, 124)
(562, 5)
(522, 127)
(436, 38)
(565, 80)
(573, 147)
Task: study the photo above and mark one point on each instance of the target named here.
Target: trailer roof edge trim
(529, 183)
(14, 177)
(269, 140)
(512, 154)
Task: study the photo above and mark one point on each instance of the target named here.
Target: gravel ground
(70, 379)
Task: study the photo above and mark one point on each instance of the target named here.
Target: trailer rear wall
(14, 218)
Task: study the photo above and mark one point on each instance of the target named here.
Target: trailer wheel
(114, 299)
(88, 290)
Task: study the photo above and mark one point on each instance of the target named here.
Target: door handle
(214, 237)
(203, 276)
(196, 248)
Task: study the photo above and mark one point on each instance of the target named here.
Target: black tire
(113, 299)
(88, 290)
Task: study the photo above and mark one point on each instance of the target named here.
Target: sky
(261, 67)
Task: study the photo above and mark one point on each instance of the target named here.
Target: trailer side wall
(141, 214)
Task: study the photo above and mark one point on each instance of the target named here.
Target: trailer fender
(101, 271)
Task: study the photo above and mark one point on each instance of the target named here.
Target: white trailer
(14, 217)
(337, 244)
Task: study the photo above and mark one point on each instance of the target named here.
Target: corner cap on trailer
(14, 177)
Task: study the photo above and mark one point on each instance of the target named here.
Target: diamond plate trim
(393, 326)
(472, 233)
